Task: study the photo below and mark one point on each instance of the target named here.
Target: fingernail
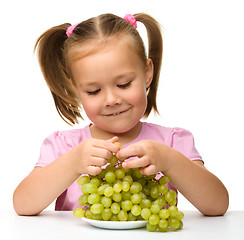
(124, 165)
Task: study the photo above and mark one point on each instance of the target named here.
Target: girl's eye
(124, 85)
(93, 92)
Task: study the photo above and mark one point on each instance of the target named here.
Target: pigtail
(155, 50)
(53, 66)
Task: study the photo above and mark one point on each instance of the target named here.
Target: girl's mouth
(117, 113)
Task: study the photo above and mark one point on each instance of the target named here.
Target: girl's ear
(149, 72)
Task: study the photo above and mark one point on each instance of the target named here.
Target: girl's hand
(90, 155)
(153, 156)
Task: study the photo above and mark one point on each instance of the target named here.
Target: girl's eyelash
(124, 85)
(93, 92)
(120, 86)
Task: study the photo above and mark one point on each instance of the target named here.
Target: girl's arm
(203, 189)
(44, 184)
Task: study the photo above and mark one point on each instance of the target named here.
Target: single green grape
(78, 212)
(109, 191)
(164, 180)
(106, 214)
(174, 223)
(168, 197)
(83, 179)
(154, 219)
(128, 178)
(96, 181)
(106, 201)
(173, 211)
(90, 187)
(146, 213)
(135, 187)
(162, 229)
(120, 173)
(122, 215)
(110, 177)
(151, 227)
(154, 192)
(83, 200)
(117, 187)
(145, 203)
(117, 197)
(155, 208)
(180, 215)
(112, 162)
(125, 186)
(88, 214)
(97, 217)
(181, 226)
(163, 223)
(164, 214)
(93, 198)
(162, 189)
(136, 198)
(131, 217)
(115, 208)
(96, 208)
(136, 210)
(126, 205)
(114, 217)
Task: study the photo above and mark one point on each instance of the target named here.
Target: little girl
(100, 65)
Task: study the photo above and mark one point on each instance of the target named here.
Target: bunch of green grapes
(119, 194)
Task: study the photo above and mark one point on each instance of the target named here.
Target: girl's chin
(118, 128)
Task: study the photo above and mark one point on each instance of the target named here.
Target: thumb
(113, 139)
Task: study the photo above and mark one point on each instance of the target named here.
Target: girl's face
(111, 84)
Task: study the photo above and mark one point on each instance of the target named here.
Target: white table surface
(62, 225)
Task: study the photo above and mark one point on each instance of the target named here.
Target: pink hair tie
(70, 29)
(131, 19)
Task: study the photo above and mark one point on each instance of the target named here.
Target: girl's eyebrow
(132, 73)
(88, 84)
(119, 76)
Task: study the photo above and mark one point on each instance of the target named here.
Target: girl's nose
(112, 98)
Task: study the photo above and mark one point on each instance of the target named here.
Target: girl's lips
(117, 113)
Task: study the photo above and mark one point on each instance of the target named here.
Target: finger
(108, 144)
(136, 163)
(101, 153)
(132, 150)
(113, 139)
(148, 170)
(93, 170)
(98, 161)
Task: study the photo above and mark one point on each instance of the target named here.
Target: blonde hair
(54, 50)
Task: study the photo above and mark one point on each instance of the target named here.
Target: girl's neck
(124, 138)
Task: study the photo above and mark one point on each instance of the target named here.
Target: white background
(200, 89)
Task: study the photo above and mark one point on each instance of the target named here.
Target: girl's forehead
(96, 46)
(114, 60)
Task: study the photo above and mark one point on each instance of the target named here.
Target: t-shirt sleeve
(52, 147)
(183, 141)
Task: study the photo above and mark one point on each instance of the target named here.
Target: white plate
(116, 224)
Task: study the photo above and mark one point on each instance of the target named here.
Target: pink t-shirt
(62, 141)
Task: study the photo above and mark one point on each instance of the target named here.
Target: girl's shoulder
(155, 129)
(60, 142)
(178, 138)
(70, 137)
